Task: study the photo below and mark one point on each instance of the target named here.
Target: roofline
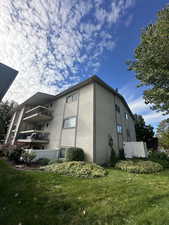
(35, 95)
(25, 102)
(109, 88)
(90, 80)
(99, 81)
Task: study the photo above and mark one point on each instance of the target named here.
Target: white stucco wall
(107, 119)
(84, 132)
(82, 135)
(105, 123)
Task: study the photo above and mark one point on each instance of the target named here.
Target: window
(119, 129)
(69, 122)
(126, 116)
(72, 98)
(117, 108)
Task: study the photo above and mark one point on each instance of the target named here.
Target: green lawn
(41, 198)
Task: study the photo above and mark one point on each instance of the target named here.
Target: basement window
(69, 122)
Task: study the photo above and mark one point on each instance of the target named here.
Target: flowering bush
(77, 169)
(139, 166)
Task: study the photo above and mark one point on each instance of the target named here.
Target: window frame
(73, 97)
(68, 118)
(126, 116)
(121, 129)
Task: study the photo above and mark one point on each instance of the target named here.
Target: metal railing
(38, 110)
(34, 135)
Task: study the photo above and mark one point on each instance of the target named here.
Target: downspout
(118, 145)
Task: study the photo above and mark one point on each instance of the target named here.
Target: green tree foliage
(143, 132)
(163, 133)
(6, 111)
(163, 127)
(151, 62)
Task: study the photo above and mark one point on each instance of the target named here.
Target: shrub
(139, 166)
(159, 157)
(43, 161)
(74, 154)
(113, 158)
(77, 169)
(28, 157)
(121, 154)
(4, 149)
(14, 153)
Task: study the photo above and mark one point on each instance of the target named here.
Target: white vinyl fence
(135, 150)
(50, 153)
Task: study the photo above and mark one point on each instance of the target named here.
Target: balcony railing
(38, 114)
(33, 136)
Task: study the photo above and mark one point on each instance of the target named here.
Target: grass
(42, 198)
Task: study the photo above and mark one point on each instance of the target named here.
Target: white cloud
(53, 43)
(138, 106)
(154, 117)
(134, 97)
(128, 20)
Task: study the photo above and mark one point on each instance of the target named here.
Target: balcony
(37, 115)
(33, 136)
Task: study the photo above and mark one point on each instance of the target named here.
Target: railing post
(18, 125)
(10, 128)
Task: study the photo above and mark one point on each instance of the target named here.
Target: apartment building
(85, 115)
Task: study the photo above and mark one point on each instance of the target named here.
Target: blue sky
(55, 44)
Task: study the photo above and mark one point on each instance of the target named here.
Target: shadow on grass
(27, 198)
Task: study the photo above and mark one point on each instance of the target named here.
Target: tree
(144, 132)
(163, 127)
(6, 111)
(163, 133)
(151, 62)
